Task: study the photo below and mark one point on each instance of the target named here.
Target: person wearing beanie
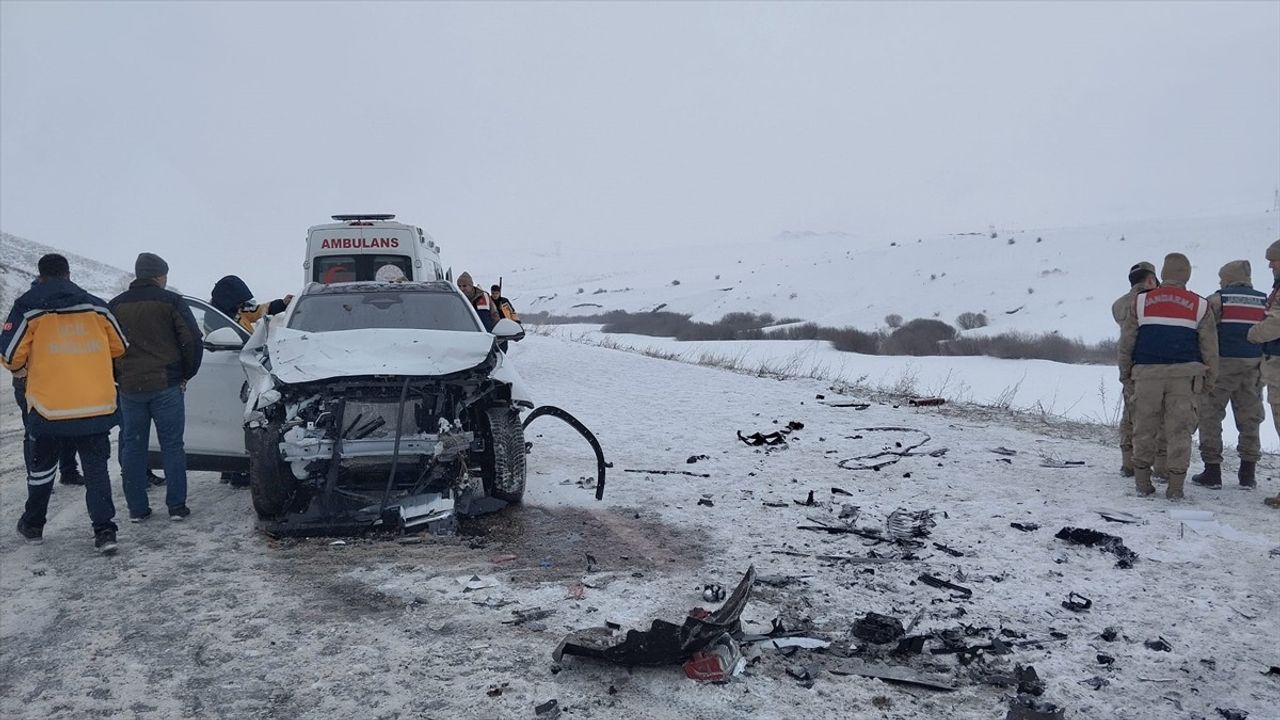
(63, 340)
(1142, 277)
(1169, 351)
(233, 298)
(1235, 308)
(479, 300)
(1267, 334)
(165, 351)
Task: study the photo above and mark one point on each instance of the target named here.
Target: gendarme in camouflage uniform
(1267, 333)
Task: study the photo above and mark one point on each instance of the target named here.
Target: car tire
(502, 466)
(271, 481)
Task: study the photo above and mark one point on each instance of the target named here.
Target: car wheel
(271, 481)
(502, 466)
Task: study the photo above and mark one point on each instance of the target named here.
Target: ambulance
(356, 247)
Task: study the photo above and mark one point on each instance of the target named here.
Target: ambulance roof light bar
(357, 218)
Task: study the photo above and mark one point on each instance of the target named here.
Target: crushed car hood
(298, 357)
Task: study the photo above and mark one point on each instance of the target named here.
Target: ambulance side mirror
(506, 329)
(224, 338)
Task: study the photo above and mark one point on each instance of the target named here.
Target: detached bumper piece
(340, 516)
(664, 643)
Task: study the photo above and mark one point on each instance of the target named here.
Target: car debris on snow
(549, 710)
(1004, 451)
(667, 472)
(1024, 527)
(1101, 540)
(716, 663)
(1024, 707)
(878, 629)
(890, 674)
(1116, 516)
(891, 456)
(1077, 602)
(664, 643)
(927, 579)
(1049, 462)
(926, 402)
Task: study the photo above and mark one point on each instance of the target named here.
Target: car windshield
(395, 309)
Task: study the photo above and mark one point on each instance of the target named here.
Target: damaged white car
(381, 405)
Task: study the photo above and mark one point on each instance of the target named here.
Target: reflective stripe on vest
(1168, 326)
(1242, 308)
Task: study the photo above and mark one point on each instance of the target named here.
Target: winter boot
(1210, 478)
(1142, 479)
(1246, 474)
(1126, 463)
(1160, 471)
(1174, 491)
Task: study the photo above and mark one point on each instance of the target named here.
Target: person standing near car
(165, 351)
(232, 297)
(479, 300)
(502, 308)
(1169, 350)
(1267, 334)
(64, 340)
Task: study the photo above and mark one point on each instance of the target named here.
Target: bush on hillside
(918, 337)
(893, 320)
(971, 321)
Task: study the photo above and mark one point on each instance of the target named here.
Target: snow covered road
(208, 618)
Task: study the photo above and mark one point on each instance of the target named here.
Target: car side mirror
(507, 329)
(224, 338)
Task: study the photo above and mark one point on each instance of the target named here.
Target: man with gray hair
(165, 350)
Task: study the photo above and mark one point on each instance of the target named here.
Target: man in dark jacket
(63, 340)
(232, 296)
(165, 350)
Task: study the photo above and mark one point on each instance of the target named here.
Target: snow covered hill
(18, 258)
(1033, 280)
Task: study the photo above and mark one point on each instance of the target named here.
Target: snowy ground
(210, 619)
(1080, 393)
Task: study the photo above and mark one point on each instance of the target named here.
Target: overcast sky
(215, 133)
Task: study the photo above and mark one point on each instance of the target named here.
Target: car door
(214, 436)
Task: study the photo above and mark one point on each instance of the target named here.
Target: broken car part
(878, 629)
(1101, 540)
(874, 461)
(890, 674)
(1077, 602)
(932, 581)
(664, 643)
(1024, 707)
(717, 662)
(571, 421)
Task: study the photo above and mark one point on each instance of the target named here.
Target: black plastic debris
(1106, 659)
(1116, 516)
(910, 645)
(1077, 602)
(643, 471)
(706, 502)
(795, 425)
(549, 710)
(1102, 541)
(802, 674)
(878, 629)
(1232, 713)
(1029, 681)
(664, 643)
(713, 592)
(840, 491)
(884, 458)
(1110, 633)
(757, 438)
(1004, 451)
(941, 584)
(948, 550)
(1273, 670)
(695, 458)
(1049, 462)
(1159, 645)
(1024, 527)
(807, 502)
(1024, 707)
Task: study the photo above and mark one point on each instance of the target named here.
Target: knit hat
(1176, 270)
(149, 265)
(1273, 252)
(1236, 272)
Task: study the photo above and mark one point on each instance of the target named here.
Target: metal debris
(890, 674)
(1077, 602)
(1024, 527)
